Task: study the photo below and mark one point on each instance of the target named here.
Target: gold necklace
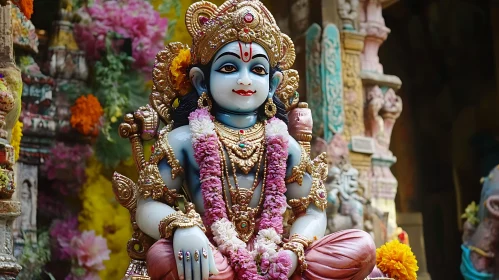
(244, 146)
(240, 212)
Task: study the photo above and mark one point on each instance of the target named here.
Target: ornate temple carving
(348, 11)
(353, 96)
(332, 84)
(10, 91)
(313, 76)
(346, 198)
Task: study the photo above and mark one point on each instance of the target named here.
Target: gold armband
(152, 185)
(179, 220)
(299, 250)
(162, 149)
(317, 193)
(298, 171)
(150, 182)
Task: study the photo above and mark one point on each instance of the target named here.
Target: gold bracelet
(299, 250)
(301, 239)
(179, 220)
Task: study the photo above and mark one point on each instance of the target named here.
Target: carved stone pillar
(382, 109)
(10, 91)
(353, 96)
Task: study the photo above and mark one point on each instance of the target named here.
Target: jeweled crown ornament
(248, 21)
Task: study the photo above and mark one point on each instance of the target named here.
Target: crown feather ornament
(213, 27)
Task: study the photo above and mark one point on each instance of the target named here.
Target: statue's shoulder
(180, 137)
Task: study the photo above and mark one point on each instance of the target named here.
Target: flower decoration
(133, 19)
(63, 231)
(26, 7)
(397, 261)
(86, 114)
(107, 219)
(66, 167)
(15, 140)
(90, 250)
(178, 70)
(471, 214)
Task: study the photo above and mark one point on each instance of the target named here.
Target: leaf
(113, 149)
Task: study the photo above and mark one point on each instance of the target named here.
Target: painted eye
(227, 69)
(259, 70)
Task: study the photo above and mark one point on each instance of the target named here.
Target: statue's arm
(302, 190)
(150, 206)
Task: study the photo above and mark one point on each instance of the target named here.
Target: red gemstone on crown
(248, 18)
(246, 30)
(203, 20)
(241, 131)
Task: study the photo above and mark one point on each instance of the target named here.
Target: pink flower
(89, 275)
(91, 250)
(134, 19)
(63, 232)
(280, 268)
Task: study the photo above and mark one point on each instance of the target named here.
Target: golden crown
(212, 27)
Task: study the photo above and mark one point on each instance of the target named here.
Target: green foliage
(471, 214)
(164, 8)
(108, 77)
(111, 149)
(35, 256)
(120, 89)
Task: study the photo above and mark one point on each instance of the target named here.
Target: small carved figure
(300, 10)
(480, 259)
(348, 11)
(374, 122)
(345, 199)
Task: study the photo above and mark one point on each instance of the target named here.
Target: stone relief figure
(391, 110)
(375, 125)
(209, 202)
(300, 12)
(346, 203)
(480, 257)
(348, 11)
(25, 225)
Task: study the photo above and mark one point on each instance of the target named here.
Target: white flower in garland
(276, 127)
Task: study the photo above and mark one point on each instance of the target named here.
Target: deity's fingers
(211, 261)
(205, 266)
(179, 259)
(196, 265)
(188, 260)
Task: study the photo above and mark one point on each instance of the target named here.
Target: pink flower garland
(205, 144)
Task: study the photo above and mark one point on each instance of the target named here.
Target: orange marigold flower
(26, 7)
(178, 71)
(86, 114)
(397, 261)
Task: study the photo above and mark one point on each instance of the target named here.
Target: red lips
(244, 92)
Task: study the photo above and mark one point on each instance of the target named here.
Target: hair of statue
(189, 102)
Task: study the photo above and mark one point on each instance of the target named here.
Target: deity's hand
(194, 255)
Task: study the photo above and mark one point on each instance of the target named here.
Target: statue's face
(239, 77)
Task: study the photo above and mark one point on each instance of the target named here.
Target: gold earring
(204, 101)
(270, 108)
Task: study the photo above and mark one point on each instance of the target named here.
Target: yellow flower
(471, 214)
(15, 140)
(397, 261)
(178, 71)
(103, 214)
